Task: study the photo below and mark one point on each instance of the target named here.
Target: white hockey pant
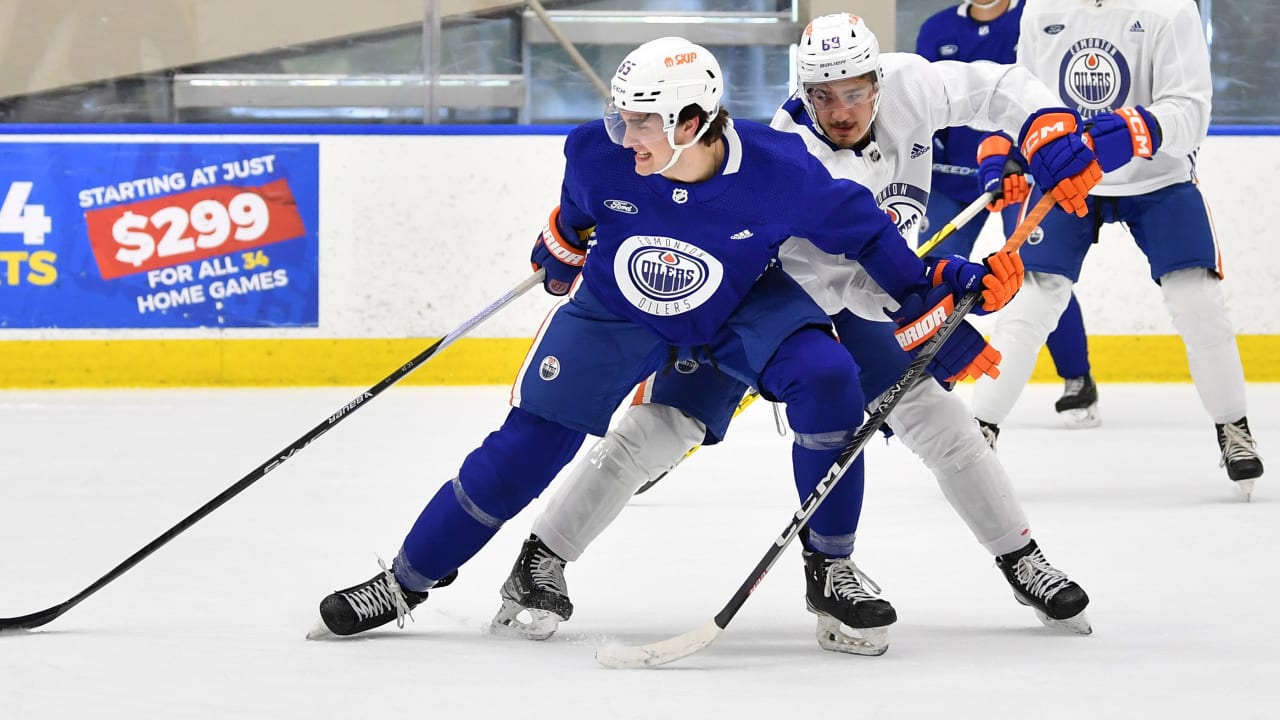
(939, 428)
(648, 441)
(1021, 330)
(1199, 313)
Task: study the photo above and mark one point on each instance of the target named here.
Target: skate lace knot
(1237, 444)
(1038, 577)
(846, 580)
(547, 570)
(380, 597)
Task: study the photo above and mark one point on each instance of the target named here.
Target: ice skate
(990, 432)
(535, 597)
(837, 592)
(1058, 602)
(1078, 406)
(370, 604)
(1240, 456)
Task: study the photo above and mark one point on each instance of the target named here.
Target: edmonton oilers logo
(688, 366)
(1094, 77)
(662, 276)
(904, 203)
(666, 274)
(550, 368)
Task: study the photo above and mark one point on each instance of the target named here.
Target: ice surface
(1181, 573)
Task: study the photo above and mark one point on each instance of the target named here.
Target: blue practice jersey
(952, 35)
(678, 258)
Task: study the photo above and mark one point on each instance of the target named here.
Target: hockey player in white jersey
(1138, 72)
(867, 117)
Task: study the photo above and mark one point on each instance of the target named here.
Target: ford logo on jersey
(664, 276)
(621, 206)
(1054, 29)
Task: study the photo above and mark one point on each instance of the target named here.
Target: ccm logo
(1139, 131)
(1045, 132)
(680, 59)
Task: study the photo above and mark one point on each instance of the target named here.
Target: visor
(641, 127)
(841, 94)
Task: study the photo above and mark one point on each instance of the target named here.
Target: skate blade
(1078, 624)
(540, 625)
(1244, 488)
(321, 632)
(836, 637)
(1081, 418)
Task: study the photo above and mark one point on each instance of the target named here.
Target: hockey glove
(996, 282)
(965, 354)
(1000, 172)
(1123, 135)
(1060, 159)
(560, 257)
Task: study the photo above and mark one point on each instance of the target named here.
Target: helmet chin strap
(678, 149)
(985, 5)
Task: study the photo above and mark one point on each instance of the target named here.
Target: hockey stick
(681, 646)
(42, 617)
(956, 223)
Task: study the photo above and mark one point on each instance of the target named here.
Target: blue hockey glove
(1123, 135)
(998, 278)
(1000, 172)
(560, 257)
(1061, 162)
(966, 354)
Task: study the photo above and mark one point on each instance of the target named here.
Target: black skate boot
(1058, 602)
(1078, 405)
(1239, 455)
(835, 592)
(990, 432)
(535, 589)
(370, 604)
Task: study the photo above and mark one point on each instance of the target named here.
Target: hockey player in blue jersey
(975, 31)
(681, 212)
(864, 115)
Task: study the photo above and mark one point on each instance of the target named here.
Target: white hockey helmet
(836, 47)
(663, 77)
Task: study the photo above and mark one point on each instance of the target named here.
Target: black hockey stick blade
(37, 619)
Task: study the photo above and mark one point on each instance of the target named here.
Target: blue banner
(159, 235)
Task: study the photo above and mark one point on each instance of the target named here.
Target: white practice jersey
(1101, 55)
(917, 98)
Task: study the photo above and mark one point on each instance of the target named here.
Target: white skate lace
(845, 580)
(1237, 444)
(380, 597)
(547, 570)
(1038, 577)
(1074, 386)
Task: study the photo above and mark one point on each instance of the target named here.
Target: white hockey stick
(681, 646)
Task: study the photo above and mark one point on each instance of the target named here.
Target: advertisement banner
(159, 235)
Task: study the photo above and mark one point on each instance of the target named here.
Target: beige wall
(54, 43)
(47, 44)
(879, 14)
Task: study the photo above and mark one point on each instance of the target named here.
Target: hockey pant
(1196, 305)
(652, 439)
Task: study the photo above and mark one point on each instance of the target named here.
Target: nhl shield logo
(549, 369)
